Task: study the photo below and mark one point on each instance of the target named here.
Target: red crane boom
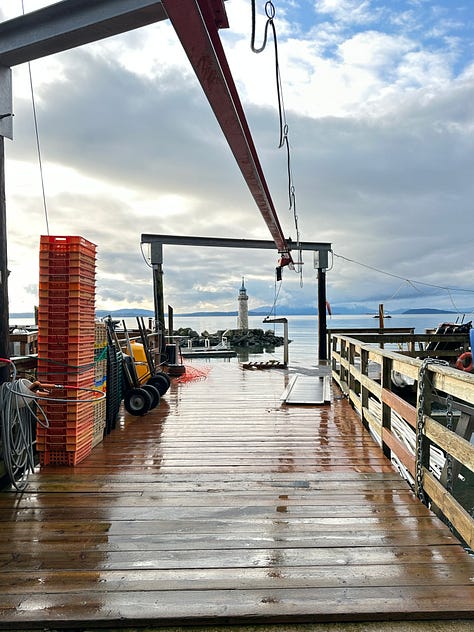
(196, 23)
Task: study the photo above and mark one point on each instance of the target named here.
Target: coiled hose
(17, 419)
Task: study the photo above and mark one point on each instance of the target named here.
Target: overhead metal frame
(72, 23)
(227, 242)
(156, 259)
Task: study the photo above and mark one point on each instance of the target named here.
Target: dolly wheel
(160, 381)
(165, 375)
(154, 393)
(162, 376)
(137, 401)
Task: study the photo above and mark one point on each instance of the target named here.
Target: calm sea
(302, 330)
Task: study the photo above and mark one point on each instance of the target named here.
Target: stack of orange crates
(66, 317)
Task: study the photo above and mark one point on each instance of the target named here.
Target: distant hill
(264, 310)
(125, 313)
(428, 310)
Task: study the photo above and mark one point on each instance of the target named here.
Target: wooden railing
(425, 427)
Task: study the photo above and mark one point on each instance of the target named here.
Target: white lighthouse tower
(243, 317)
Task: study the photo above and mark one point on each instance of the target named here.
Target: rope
(38, 148)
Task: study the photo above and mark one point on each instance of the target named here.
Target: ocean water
(302, 330)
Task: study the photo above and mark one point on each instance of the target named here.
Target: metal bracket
(6, 103)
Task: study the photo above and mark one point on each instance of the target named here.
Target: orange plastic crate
(67, 438)
(84, 284)
(64, 272)
(70, 342)
(67, 258)
(64, 457)
(59, 356)
(85, 279)
(67, 376)
(65, 243)
(76, 257)
(77, 406)
(69, 353)
(65, 308)
(64, 330)
(50, 295)
(65, 419)
(73, 434)
(48, 319)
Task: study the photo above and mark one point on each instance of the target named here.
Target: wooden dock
(226, 506)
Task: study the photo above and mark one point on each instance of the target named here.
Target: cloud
(381, 128)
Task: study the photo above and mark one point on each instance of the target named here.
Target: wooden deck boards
(225, 506)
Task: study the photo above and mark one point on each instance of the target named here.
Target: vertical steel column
(322, 324)
(158, 295)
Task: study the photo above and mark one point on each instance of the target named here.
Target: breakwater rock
(256, 338)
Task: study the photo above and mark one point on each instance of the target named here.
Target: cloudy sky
(379, 98)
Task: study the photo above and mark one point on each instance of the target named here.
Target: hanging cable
(276, 293)
(283, 125)
(38, 147)
(144, 256)
(411, 282)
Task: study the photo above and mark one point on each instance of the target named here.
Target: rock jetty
(255, 338)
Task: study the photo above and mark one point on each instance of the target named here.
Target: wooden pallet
(269, 364)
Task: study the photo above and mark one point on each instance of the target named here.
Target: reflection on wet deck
(225, 506)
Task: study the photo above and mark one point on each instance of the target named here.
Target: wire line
(397, 276)
(38, 147)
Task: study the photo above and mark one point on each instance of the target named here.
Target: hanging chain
(421, 440)
(449, 458)
(420, 427)
(270, 12)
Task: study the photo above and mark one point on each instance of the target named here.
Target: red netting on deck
(193, 372)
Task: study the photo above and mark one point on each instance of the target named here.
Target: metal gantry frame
(157, 242)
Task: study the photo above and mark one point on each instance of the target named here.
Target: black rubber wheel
(161, 382)
(137, 401)
(163, 374)
(155, 394)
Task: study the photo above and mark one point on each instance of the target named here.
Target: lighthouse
(243, 317)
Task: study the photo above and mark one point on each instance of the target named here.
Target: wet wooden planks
(225, 506)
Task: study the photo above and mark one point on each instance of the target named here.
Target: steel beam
(195, 26)
(225, 242)
(72, 23)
